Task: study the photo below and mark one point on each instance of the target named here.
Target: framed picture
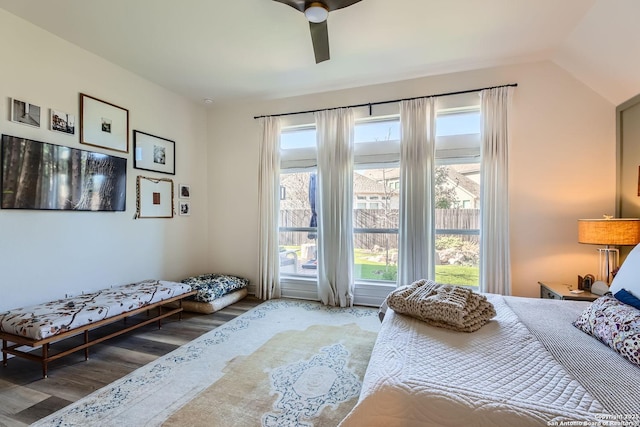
(185, 208)
(103, 124)
(63, 122)
(154, 197)
(25, 113)
(184, 191)
(154, 153)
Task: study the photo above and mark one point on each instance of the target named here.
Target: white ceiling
(251, 49)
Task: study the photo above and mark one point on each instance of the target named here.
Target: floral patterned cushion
(45, 320)
(615, 324)
(212, 286)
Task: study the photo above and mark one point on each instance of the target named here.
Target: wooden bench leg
(45, 361)
(86, 341)
(4, 352)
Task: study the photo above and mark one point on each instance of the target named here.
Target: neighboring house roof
(465, 183)
(366, 185)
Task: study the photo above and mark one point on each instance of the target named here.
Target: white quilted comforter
(420, 375)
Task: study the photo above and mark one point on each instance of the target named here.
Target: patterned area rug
(284, 363)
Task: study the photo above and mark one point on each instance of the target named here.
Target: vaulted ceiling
(260, 49)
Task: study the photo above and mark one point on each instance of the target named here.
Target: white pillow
(628, 276)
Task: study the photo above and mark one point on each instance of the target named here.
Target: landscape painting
(38, 175)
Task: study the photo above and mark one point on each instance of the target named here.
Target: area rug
(283, 363)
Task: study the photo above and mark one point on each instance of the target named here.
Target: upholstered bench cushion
(213, 286)
(45, 320)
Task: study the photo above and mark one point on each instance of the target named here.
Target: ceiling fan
(317, 13)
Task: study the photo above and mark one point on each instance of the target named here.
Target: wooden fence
(460, 219)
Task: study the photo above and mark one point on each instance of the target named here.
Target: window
(297, 236)
(376, 226)
(376, 199)
(457, 225)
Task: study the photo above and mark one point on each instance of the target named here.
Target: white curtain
(416, 240)
(268, 208)
(495, 262)
(334, 205)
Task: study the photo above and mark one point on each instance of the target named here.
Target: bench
(43, 324)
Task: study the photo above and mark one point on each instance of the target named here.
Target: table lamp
(609, 232)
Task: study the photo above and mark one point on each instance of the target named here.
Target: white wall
(562, 167)
(44, 254)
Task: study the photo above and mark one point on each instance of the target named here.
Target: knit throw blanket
(445, 306)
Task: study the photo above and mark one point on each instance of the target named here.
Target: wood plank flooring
(25, 396)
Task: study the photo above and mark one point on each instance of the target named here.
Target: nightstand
(562, 291)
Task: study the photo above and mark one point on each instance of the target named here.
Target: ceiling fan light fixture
(316, 12)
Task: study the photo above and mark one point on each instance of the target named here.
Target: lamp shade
(615, 231)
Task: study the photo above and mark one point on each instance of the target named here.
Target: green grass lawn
(366, 269)
(450, 274)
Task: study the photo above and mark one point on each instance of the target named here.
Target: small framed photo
(185, 208)
(184, 191)
(103, 124)
(155, 197)
(154, 153)
(25, 113)
(63, 122)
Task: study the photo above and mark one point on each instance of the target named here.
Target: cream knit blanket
(445, 306)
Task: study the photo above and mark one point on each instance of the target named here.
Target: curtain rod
(371, 104)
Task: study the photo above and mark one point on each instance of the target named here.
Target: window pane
(376, 256)
(298, 222)
(377, 130)
(298, 253)
(462, 123)
(457, 259)
(376, 224)
(457, 224)
(297, 138)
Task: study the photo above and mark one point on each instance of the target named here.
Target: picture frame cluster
(106, 126)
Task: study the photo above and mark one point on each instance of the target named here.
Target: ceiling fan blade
(320, 39)
(338, 4)
(301, 5)
(296, 4)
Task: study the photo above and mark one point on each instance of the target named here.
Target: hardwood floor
(25, 396)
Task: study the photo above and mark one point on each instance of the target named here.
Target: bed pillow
(628, 276)
(627, 297)
(615, 324)
(212, 286)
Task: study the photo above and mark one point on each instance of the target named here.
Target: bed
(528, 366)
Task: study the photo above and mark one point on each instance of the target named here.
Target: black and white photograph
(159, 154)
(184, 191)
(103, 124)
(154, 153)
(185, 208)
(25, 113)
(106, 125)
(63, 122)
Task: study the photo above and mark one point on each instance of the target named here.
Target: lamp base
(608, 262)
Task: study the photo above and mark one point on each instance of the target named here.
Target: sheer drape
(334, 205)
(268, 206)
(416, 240)
(495, 262)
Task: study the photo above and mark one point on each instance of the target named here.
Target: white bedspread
(500, 375)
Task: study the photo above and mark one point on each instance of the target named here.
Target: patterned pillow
(212, 286)
(615, 324)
